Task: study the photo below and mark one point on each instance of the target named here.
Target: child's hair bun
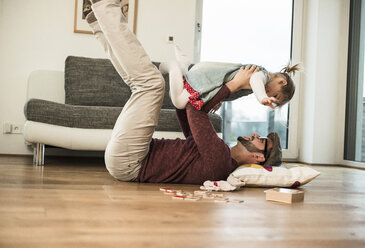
(290, 69)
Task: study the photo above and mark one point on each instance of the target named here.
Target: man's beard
(248, 145)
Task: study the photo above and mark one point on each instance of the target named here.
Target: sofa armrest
(46, 85)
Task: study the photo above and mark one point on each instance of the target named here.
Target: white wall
(1, 9)
(38, 34)
(322, 98)
(159, 19)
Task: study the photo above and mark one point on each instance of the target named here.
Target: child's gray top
(207, 78)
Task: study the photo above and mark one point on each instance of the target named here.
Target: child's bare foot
(166, 67)
(182, 59)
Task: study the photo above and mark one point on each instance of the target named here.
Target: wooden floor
(75, 203)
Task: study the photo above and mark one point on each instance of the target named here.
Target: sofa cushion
(95, 117)
(95, 82)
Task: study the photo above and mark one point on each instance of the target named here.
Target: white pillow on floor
(290, 175)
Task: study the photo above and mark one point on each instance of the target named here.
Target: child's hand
(268, 101)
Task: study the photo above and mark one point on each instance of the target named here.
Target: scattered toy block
(192, 198)
(284, 195)
(197, 195)
(165, 189)
(217, 195)
(200, 192)
(208, 196)
(170, 192)
(178, 197)
(180, 193)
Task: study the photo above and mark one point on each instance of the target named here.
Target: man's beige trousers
(132, 133)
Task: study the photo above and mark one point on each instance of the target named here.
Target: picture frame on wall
(83, 7)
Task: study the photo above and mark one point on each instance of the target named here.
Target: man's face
(256, 143)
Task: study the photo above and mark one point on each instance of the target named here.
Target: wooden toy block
(170, 192)
(220, 200)
(284, 195)
(235, 200)
(165, 189)
(192, 198)
(178, 197)
(180, 193)
(208, 196)
(200, 192)
(217, 195)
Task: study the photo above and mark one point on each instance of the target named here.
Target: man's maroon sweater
(202, 156)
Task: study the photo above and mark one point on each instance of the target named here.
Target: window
(248, 32)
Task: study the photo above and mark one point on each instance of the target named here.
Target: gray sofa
(83, 115)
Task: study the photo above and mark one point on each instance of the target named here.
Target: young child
(201, 83)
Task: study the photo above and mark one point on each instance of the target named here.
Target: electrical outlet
(17, 128)
(9, 128)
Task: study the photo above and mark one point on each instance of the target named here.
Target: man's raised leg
(134, 128)
(94, 25)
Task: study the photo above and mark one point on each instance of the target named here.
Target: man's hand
(255, 158)
(242, 78)
(268, 101)
(244, 74)
(216, 107)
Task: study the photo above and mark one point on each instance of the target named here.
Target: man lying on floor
(132, 154)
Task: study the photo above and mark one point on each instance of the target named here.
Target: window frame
(296, 56)
(348, 150)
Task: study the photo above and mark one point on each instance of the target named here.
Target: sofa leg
(38, 154)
